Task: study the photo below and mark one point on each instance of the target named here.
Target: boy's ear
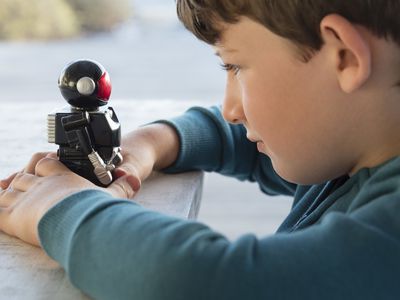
(350, 51)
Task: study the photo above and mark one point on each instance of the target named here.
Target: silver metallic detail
(86, 86)
(74, 109)
(51, 128)
(119, 158)
(110, 167)
(101, 170)
(116, 157)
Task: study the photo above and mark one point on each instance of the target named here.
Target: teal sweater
(341, 239)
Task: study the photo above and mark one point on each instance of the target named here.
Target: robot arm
(76, 130)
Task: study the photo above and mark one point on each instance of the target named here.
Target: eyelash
(230, 67)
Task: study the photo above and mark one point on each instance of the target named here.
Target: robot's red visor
(104, 87)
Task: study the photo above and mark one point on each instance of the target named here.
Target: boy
(315, 87)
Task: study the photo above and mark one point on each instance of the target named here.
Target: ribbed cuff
(200, 146)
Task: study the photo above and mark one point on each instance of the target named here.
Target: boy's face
(293, 110)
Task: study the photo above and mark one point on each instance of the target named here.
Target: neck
(380, 138)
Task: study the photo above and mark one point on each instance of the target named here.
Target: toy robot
(88, 135)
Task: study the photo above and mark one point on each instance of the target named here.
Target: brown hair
(296, 20)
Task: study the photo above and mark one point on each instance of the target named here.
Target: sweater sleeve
(209, 143)
(116, 249)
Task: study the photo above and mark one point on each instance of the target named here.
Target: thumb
(52, 155)
(125, 186)
(125, 169)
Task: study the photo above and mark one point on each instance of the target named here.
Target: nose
(232, 108)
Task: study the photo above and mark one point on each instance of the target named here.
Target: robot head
(85, 84)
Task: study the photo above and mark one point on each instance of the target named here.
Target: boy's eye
(230, 67)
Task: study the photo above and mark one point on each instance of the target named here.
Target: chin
(301, 176)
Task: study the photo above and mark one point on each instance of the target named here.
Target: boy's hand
(152, 147)
(132, 165)
(30, 168)
(31, 194)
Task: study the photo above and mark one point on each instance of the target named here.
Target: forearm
(115, 249)
(207, 142)
(200, 140)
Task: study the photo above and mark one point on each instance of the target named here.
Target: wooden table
(26, 272)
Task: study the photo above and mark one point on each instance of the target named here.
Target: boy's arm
(115, 249)
(151, 147)
(207, 142)
(201, 140)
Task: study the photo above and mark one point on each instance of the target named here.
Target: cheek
(294, 111)
(268, 105)
(287, 100)
(279, 111)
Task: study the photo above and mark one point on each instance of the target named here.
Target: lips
(260, 147)
(260, 144)
(252, 139)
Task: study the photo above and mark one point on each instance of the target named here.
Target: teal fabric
(340, 241)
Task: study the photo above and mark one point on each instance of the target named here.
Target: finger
(52, 155)
(125, 169)
(30, 168)
(133, 181)
(125, 187)
(49, 166)
(12, 225)
(23, 181)
(4, 183)
(119, 172)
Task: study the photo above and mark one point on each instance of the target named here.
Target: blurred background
(156, 67)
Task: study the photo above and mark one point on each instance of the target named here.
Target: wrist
(166, 143)
(152, 147)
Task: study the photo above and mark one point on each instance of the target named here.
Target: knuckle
(38, 155)
(128, 169)
(51, 155)
(19, 182)
(42, 163)
(124, 191)
(18, 176)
